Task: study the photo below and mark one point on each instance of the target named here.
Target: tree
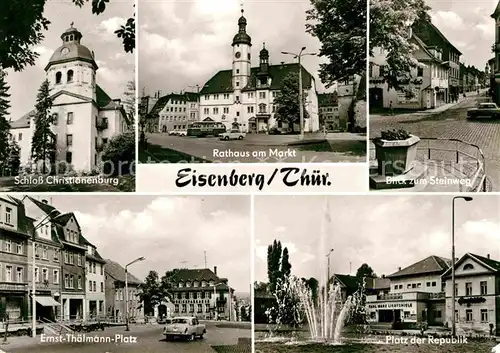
(340, 26)
(287, 101)
(313, 285)
(365, 271)
(260, 286)
(119, 155)
(4, 123)
(13, 158)
(129, 102)
(43, 144)
(390, 23)
(168, 281)
(273, 264)
(151, 293)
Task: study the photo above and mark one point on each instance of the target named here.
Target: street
(267, 148)
(145, 338)
(450, 124)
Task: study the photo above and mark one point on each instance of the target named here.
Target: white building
(244, 95)
(86, 117)
(177, 111)
(427, 87)
(95, 295)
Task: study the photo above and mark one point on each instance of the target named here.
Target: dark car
(484, 110)
(274, 131)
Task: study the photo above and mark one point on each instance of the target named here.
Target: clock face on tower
(64, 51)
(237, 55)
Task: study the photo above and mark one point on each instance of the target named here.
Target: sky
(384, 231)
(115, 66)
(468, 26)
(190, 40)
(170, 232)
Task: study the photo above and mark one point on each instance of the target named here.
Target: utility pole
(205, 259)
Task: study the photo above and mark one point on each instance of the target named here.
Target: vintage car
(184, 327)
(232, 135)
(484, 110)
(181, 132)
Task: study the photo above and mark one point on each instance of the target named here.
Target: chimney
(215, 270)
(383, 276)
(399, 268)
(488, 256)
(45, 201)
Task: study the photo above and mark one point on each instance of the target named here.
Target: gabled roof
(351, 283)
(117, 272)
(492, 265)
(430, 33)
(431, 264)
(186, 274)
(183, 97)
(104, 101)
(221, 82)
(378, 283)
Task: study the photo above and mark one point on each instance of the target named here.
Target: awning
(46, 301)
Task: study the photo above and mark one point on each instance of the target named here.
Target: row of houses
(421, 294)
(72, 280)
(439, 78)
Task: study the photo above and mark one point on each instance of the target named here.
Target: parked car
(184, 327)
(484, 110)
(274, 131)
(232, 135)
(181, 132)
(172, 132)
(164, 321)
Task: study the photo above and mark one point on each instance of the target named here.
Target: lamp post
(301, 103)
(33, 265)
(453, 317)
(142, 258)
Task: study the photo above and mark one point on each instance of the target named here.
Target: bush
(395, 135)
(119, 155)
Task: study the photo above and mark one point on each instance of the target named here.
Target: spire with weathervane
(242, 44)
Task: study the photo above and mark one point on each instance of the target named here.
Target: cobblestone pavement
(451, 124)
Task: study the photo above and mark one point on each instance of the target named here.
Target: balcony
(101, 124)
(13, 287)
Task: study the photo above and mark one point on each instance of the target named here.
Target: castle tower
(242, 44)
(72, 66)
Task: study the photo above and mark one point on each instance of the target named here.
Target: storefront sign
(390, 306)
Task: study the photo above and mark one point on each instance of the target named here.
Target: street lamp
(453, 317)
(301, 103)
(142, 258)
(33, 264)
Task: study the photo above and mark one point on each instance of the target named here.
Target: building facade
(85, 117)
(427, 87)
(477, 295)
(329, 112)
(116, 297)
(95, 296)
(415, 296)
(202, 293)
(176, 111)
(243, 96)
(13, 261)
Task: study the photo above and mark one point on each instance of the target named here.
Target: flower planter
(395, 157)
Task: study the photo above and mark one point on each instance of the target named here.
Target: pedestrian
(391, 109)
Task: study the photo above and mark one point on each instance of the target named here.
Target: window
(20, 136)
(93, 267)
(20, 275)
(456, 289)
(414, 285)
(70, 76)
(69, 120)
(468, 288)
(69, 140)
(79, 260)
(8, 215)
(90, 286)
(58, 77)
(8, 246)
(56, 255)
(216, 110)
(237, 99)
(206, 111)
(262, 95)
(250, 109)
(45, 275)
(44, 253)
(94, 287)
(468, 267)
(69, 157)
(55, 276)
(101, 267)
(237, 83)
(19, 248)
(79, 282)
(191, 308)
(66, 281)
(8, 273)
(37, 275)
(66, 257)
(433, 284)
(102, 287)
(226, 110)
(484, 287)
(484, 315)
(71, 259)
(468, 315)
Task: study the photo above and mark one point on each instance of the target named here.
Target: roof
(186, 274)
(426, 48)
(492, 265)
(496, 12)
(117, 272)
(221, 82)
(327, 99)
(378, 283)
(431, 264)
(350, 282)
(23, 224)
(430, 32)
(24, 121)
(183, 97)
(104, 101)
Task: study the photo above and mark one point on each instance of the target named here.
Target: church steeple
(264, 60)
(242, 37)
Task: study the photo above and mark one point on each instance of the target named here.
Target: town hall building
(85, 116)
(243, 95)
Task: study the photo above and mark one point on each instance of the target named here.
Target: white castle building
(245, 94)
(86, 117)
